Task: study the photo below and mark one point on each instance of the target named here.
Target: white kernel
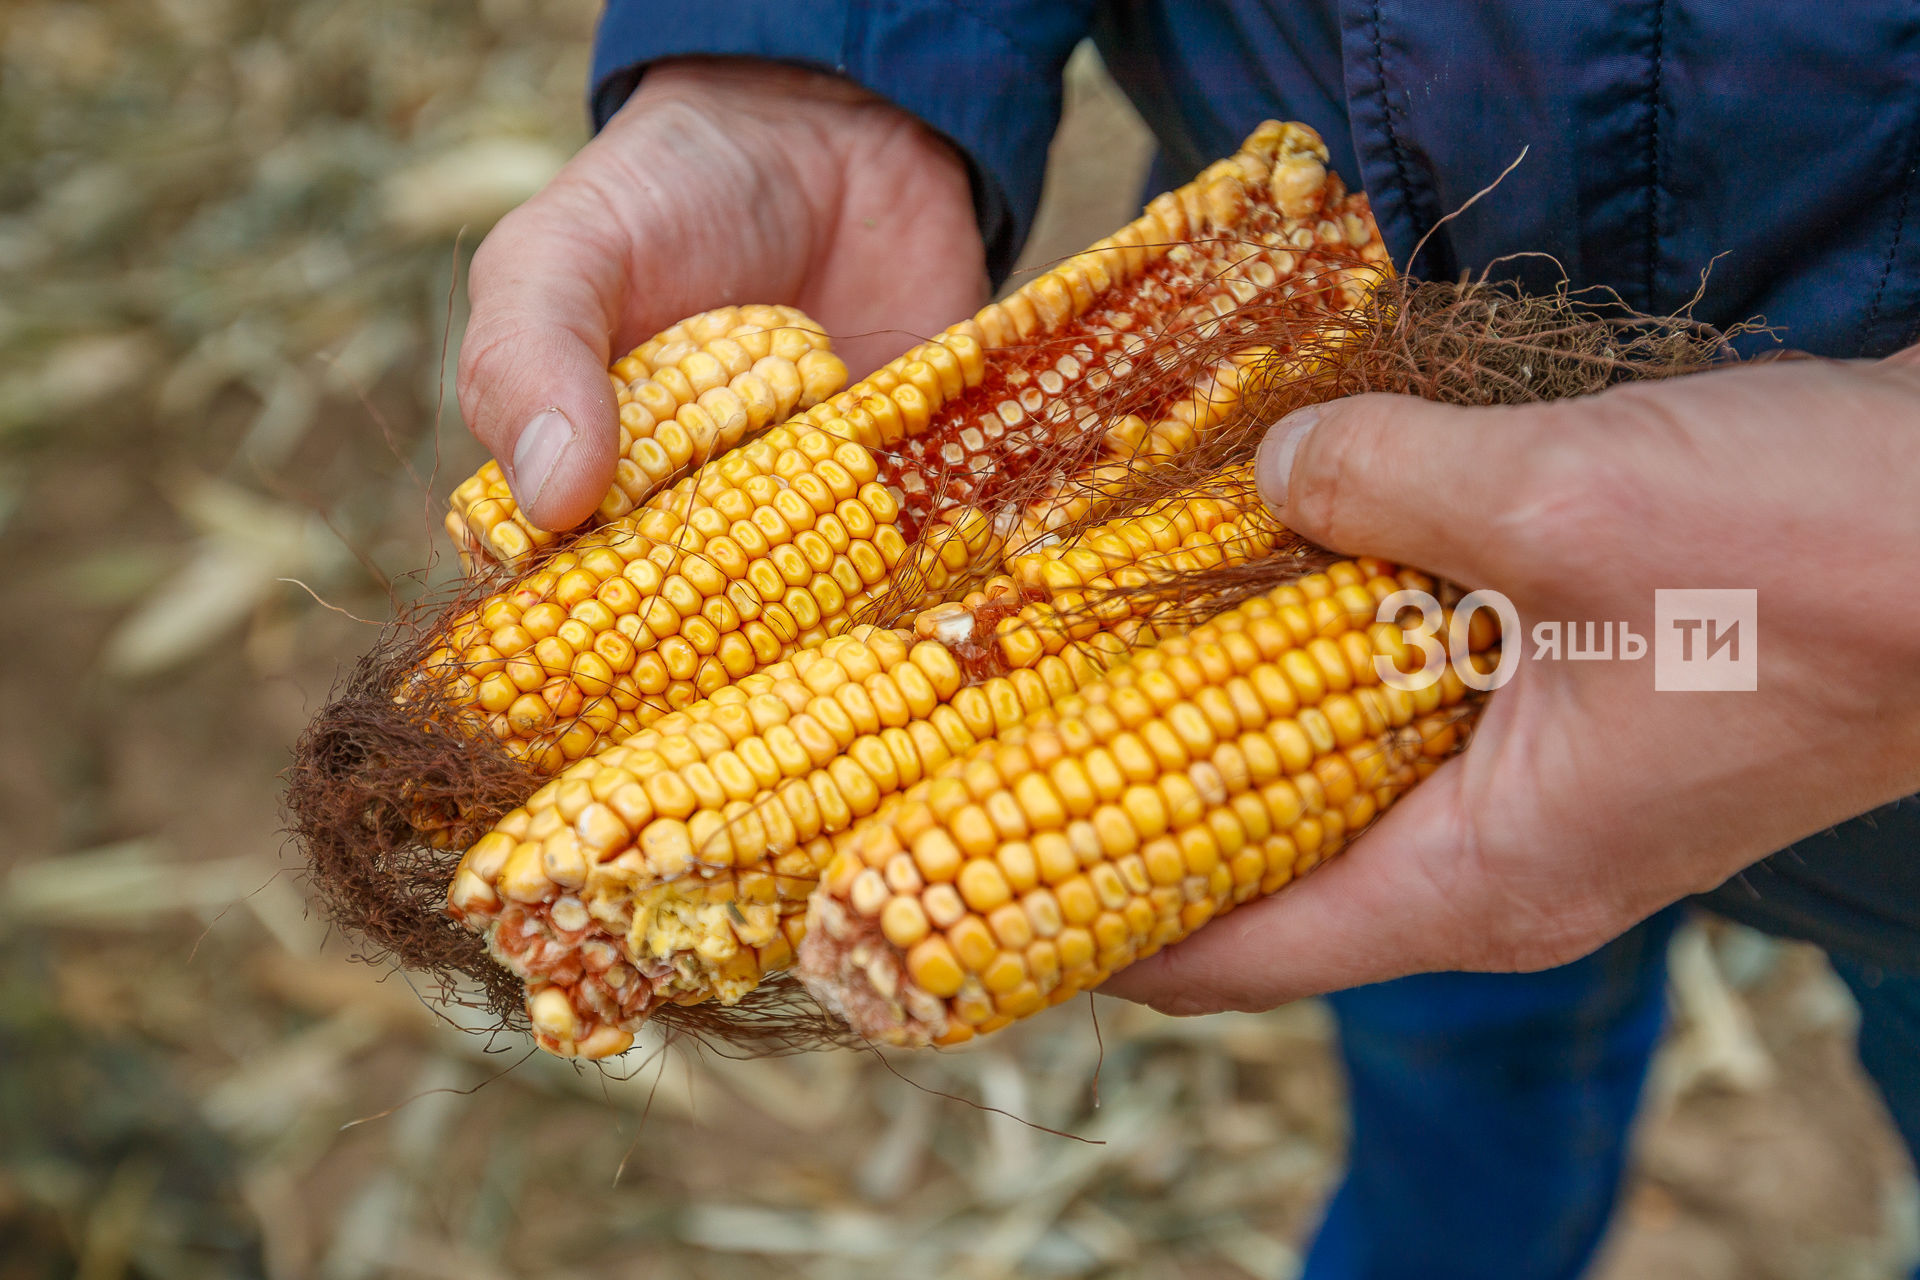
(568, 914)
(551, 1013)
(953, 629)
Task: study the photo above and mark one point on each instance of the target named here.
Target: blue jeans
(1490, 1111)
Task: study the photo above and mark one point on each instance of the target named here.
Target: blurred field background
(227, 245)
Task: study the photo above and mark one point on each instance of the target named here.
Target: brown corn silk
(747, 677)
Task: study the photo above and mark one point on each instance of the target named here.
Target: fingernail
(537, 456)
(1273, 464)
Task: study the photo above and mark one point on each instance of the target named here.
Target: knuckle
(1167, 984)
(493, 248)
(1331, 475)
(1566, 502)
(486, 358)
(502, 249)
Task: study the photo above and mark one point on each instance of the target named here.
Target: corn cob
(1219, 765)
(678, 866)
(1269, 221)
(687, 394)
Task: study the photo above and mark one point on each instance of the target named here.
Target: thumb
(1398, 477)
(533, 369)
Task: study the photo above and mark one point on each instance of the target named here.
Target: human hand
(718, 182)
(1587, 800)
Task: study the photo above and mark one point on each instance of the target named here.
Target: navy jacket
(1777, 142)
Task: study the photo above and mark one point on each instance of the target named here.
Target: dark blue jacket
(1778, 142)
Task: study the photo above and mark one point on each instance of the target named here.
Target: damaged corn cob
(1219, 765)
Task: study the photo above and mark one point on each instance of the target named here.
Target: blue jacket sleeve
(983, 73)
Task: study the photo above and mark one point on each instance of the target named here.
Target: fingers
(1377, 912)
(1399, 477)
(533, 364)
(1408, 898)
